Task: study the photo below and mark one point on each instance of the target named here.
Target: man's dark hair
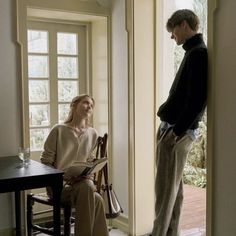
(179, 16)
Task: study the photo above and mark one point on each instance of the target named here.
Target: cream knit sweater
(62, 146)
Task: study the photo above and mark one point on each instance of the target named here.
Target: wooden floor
(193, 220)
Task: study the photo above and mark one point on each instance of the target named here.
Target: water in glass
(24, 155)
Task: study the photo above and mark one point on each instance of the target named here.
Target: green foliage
(195, 168)
(200, 7)
(194, 176)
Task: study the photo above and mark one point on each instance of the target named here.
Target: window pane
(37, 41)
(63, 110)
(67, 43)
(37, 138)
(39, 115)
(67, 90)
(38, 66)
(38, 91)
(67, 67)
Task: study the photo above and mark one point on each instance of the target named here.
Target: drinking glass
(24, 155)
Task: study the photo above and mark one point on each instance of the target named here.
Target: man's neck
(190, 34)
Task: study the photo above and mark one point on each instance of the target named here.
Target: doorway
(169, 57)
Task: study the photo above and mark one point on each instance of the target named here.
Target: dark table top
(14, 176)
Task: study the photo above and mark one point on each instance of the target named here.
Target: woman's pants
(90, 217)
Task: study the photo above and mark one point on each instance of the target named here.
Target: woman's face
(84, 108)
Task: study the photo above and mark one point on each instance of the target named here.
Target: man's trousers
(171, 156)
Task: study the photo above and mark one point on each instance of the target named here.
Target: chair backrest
(104, 187)
(102, 146)
(100, 153)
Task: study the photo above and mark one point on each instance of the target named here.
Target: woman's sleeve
(49, 153)
(94, 138)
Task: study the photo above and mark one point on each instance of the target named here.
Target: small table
(15, 178)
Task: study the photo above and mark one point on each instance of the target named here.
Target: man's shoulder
(201, 48)
(199, 51)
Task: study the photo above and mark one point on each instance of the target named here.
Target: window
(56, 73)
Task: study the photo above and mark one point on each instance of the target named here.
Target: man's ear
(184, 24)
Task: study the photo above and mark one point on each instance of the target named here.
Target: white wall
(144, 114)
(100, 74)
(165, 56)
(10, 119)
(133, 89)
(224, 120)
(120, 103)
(10, 99)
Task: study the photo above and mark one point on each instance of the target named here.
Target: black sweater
(186, 102)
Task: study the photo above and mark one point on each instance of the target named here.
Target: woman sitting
(73, 141)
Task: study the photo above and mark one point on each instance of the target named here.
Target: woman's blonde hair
(73, 105)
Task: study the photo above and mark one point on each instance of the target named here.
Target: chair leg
(67, 220)
(30, 203)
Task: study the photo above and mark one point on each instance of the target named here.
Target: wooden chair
(42, 198)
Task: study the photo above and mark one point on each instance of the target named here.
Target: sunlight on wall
(100, 75)
(181, 4)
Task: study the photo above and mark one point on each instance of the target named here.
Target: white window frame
(52, 28)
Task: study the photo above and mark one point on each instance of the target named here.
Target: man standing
(180, 115)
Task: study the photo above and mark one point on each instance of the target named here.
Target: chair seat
(43, 198)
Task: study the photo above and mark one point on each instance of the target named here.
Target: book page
(85, 168)
(94, 169)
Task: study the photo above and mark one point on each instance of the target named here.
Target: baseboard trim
(121, 223)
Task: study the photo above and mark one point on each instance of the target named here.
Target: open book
(85, 168)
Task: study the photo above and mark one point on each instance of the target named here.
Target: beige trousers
(89, 209)
(170, 160)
